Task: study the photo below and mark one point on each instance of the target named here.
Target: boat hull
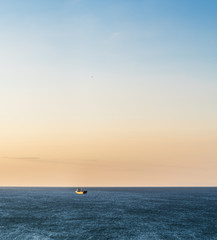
(81, 192)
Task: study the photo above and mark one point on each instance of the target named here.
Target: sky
(108, 93)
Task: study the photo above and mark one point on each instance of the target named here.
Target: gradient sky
(108, 93)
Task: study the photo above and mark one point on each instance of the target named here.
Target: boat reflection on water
(80, 191)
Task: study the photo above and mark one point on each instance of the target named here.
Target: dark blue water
(108, 213)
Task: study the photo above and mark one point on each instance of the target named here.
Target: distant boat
(80, 191)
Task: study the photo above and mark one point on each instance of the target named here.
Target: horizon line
(181, 186)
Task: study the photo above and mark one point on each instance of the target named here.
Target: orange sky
(110, 159)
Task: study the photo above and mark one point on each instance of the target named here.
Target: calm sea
(108, 213)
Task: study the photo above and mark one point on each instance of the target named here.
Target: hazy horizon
(88, 187)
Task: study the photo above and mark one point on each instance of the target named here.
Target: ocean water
(108, 213)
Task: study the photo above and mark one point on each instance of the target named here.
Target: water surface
(108, 213)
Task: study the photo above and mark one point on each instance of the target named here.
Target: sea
(149, 213)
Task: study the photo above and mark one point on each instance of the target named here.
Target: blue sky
(175, 36)
(162, 49)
